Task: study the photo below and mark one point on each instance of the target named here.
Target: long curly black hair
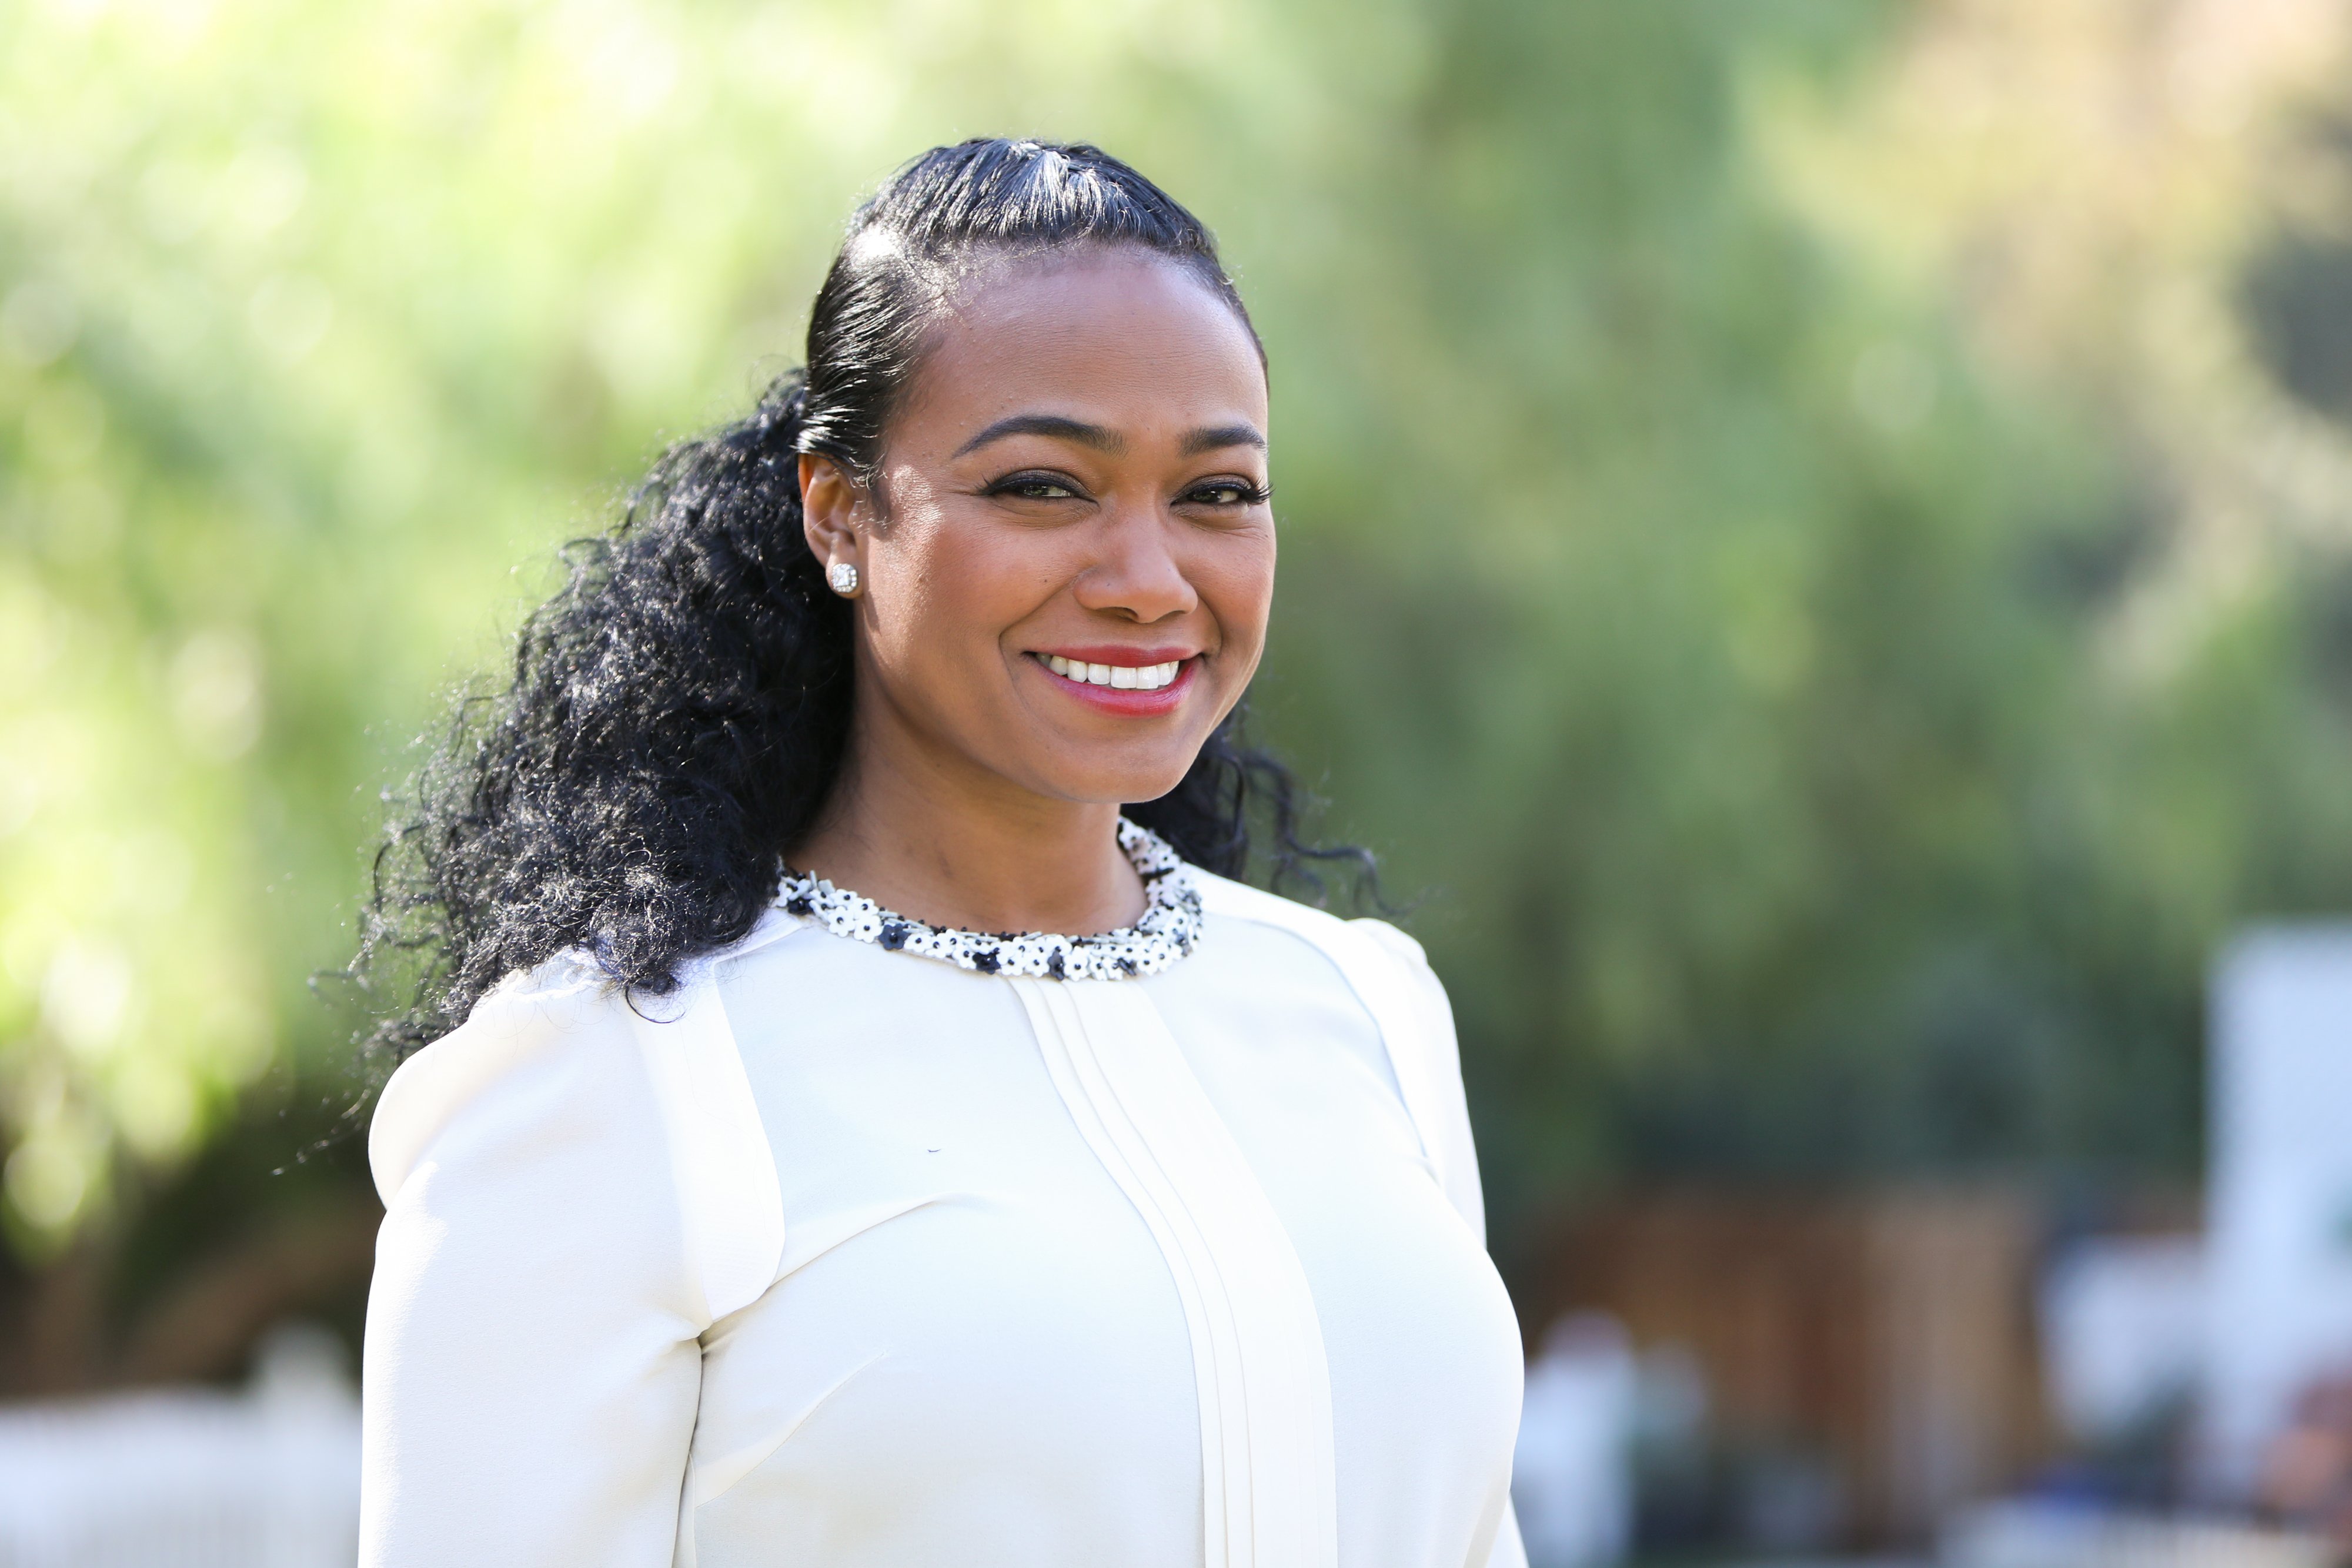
(680, 709)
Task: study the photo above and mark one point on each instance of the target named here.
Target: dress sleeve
(1448, 1109)
(1438, 1103)
(531, 1367)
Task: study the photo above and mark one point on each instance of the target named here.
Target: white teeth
(1121, 677)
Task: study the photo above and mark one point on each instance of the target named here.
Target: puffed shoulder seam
(729, 1198)
(1398, 942)
(514, 1020)
(1239, 901)
(722, 1168)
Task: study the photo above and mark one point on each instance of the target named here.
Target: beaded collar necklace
(1168, 927)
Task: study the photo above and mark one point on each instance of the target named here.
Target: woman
(751, 1220)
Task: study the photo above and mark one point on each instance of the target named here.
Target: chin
(1123, 785)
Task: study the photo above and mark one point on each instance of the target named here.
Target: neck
(941, 840)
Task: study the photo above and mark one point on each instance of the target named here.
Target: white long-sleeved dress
(850, 1257)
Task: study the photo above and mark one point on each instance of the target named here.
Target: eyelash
(1012, 483)
(1244, 494)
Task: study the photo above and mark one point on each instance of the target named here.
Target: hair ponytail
(678, 710)
(677, 715)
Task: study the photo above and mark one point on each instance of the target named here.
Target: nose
(1135, 574)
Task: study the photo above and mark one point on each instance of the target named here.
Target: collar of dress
(1167, 931)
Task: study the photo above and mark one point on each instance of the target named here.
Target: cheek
(947, 587)
(1235, 582)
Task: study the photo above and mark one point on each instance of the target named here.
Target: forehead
(1120, 336)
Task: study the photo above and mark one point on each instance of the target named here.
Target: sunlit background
(1817, 548)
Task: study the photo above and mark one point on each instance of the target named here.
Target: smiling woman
(1051, 1199)
(1116, 520)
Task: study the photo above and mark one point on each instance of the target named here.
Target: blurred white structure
(1572, 1477)
(2279, 1208)
(2124, 1330)
(2056, 1535)
(267, 1479)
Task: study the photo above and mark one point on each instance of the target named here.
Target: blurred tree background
(1818, 538)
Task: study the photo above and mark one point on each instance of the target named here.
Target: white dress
(853, 1258)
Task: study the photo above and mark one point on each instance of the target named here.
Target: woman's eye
(1034, 488)
(1227, 493)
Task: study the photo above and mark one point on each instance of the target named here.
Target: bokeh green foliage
(1671, 588)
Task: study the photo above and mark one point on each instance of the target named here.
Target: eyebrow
(1221, 435)
(1062, 428)
(1054, 424)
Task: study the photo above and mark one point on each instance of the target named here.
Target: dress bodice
(859, 1256)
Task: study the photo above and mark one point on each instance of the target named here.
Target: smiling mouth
(1119, 678)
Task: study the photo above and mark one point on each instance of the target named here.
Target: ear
(832, 509)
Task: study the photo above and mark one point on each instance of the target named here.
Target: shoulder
(1352, 944)
(550, 1040)
(562, 1091)
(560, 1038)
(1392, 978)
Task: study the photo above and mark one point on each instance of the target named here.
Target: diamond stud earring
(842, 578)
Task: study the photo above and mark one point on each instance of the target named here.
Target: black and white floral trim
(1170, 926)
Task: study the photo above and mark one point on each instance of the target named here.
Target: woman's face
(1066, 576)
